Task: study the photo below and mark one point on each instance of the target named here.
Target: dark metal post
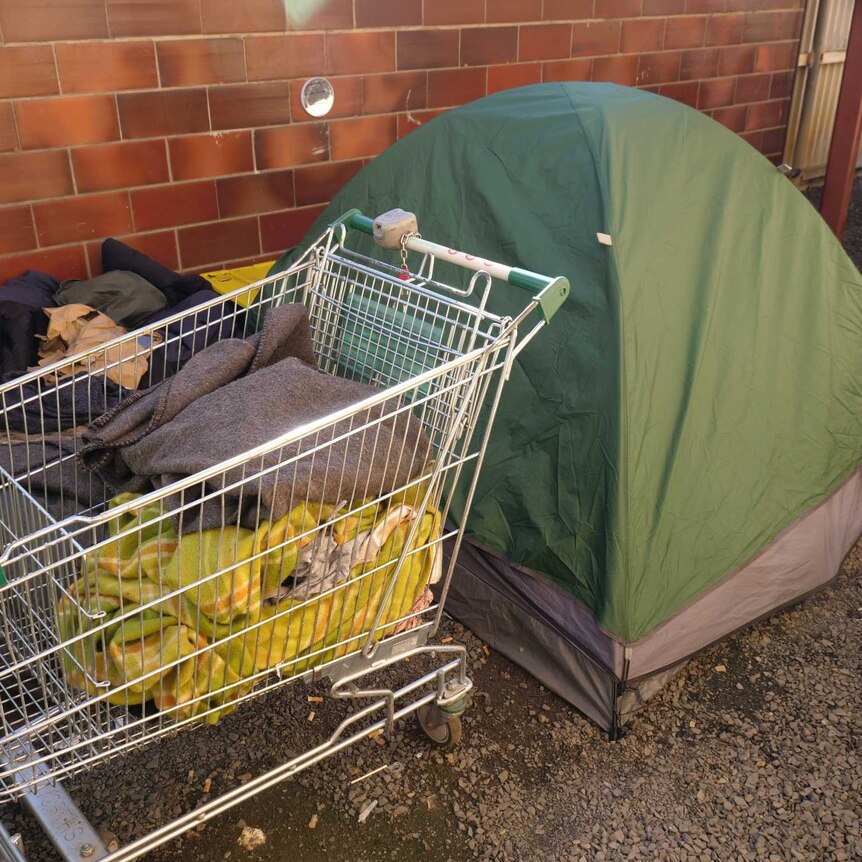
(847, 133)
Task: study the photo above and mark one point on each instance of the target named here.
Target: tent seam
(622, 431)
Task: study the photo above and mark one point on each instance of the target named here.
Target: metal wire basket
(102, 628)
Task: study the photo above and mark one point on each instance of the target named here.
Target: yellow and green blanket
(191, 623)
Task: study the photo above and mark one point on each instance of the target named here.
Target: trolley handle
(551, 292)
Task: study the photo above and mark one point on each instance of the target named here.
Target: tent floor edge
(488, 603)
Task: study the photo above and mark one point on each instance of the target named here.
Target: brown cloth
(239, 394)
(76, 328)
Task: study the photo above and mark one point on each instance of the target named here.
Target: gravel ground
(752, 752)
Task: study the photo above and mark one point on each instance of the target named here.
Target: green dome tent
(678, 455)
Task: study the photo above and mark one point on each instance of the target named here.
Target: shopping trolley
(433, 352)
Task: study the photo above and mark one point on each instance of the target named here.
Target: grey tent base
(543, 628)
(505, 609)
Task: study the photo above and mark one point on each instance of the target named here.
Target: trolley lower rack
(437, 698)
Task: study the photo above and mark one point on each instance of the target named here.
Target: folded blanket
(236, 395)
(190, 623)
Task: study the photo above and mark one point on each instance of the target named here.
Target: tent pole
(846, 134)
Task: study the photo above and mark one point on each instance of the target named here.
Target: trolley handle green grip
(354, 220)
(551, 291)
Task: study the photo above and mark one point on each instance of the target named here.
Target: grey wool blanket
(239, 394)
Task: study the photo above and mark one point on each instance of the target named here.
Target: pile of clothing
(281, 561)
(43, 321)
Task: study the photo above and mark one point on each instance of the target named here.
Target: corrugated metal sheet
(818, 79)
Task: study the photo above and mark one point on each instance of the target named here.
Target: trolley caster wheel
(442, 729)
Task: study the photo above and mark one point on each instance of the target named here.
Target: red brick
(65, 121)
(332, 15)
(753, 88)
(702, 63)
(754, 5)
(348, 99)
(163, 112)
(93, 251)
(351, 53)
(594, 38)
(642, 35)
(373, 13)
(454, 12)
(618, 8)
(186, 62)
(716, 93)
(693, 6)
(447, 87)
(62, 263)
(177, 203)
(685, 32)
(27, 70)
(121, 165)
(682, 91)
(249, 16)
(579, 69)
(618, 69)
(291, 145)
(776, 58)
(725, 29)
(658, 68)
(772, 26)
(318, 184)
(755, 138)
(732, 117)
(398, 91)
(513, 75)
(46, 20)
(362, 137)
(427, 49)
(782, 85)
(240, 106)
(103, 67)
(482, 46)
(81, 217)
(255, 193)
(218, 241)
(773, 141)
(278, 57)
(8, 132)
(764, 115)
(504, 11)
(663, 7)
(408, 122)
(16, 229)
(241, 262)
(160, 246)
(568, 10)
(198, 156)
(146, 18)
(279, 231)
(545, 42)
(736, 60)
(29, 176)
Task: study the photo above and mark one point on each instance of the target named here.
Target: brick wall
(177, 126)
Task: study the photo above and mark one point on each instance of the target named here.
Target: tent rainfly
(679, 454)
